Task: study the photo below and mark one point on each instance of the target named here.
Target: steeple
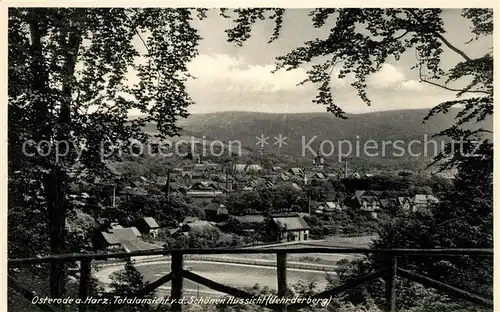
(318, 161)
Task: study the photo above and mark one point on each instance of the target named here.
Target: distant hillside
(386, 126)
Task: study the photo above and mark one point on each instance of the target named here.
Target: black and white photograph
(250, 158)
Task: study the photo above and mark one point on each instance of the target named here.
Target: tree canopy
(70, 90)
(360, 41)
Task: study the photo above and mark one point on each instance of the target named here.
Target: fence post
(176, 289)
(281, 274)
(85, 275)
(390, 282)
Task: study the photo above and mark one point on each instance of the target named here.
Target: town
(247, 203)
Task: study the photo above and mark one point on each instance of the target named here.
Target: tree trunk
(55, 193)
(56, 181)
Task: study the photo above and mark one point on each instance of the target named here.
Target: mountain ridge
(299, 128)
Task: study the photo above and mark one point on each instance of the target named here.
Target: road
(232, 274)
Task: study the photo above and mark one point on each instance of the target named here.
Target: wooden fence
(389, 272)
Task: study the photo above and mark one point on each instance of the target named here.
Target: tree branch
(401, 36)
(452, 89)
(137, 33)
(453, 48)
(442, 38)
(463, 90)
(143, 42)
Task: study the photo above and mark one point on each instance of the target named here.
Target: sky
(231, 78)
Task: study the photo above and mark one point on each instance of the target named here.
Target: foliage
(168, 213)
(208, 237)
(325, 224)
(320, 190)
(126, 283)
(68, 93)
(463, 219)
(402, 30)
(280, 197)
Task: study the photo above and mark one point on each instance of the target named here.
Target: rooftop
(291, 223)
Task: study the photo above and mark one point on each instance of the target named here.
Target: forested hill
(406, 125)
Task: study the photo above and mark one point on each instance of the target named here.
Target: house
(216, 212)
(325, 207)
(330, 206)
(296, 171)
(253, 168)
(249, 168)
(111, 169)
(219, 177)
(189, 220)
(196, 226)
(296, 187)
(290, 228)
(257, 181)
(141, 182)
(205, 194)
(161, 181)
(226, 186)
(199, 167)
(366, 201)
(319, 176)
(369, 203)
(206, 166)
(241, 178)
(269, 184)
(133, 191)
(247, 188)
(107, 241)
(148, 225)
(388, 203)
(249, 219)
(239, 167)
(423, 201)
(193, 175)
(404, 203)
(318, 162)
(171, 231)
(284, 177)
(123, 238)
(204, 189)
(175, 187)
(355, 175)
(332, 176)
(115, 225)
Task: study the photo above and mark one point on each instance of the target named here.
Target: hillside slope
(300, 129)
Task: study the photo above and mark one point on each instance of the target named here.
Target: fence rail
(390, 272)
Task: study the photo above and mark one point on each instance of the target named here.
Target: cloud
(225, 73)
(228, 83)
(387, 77)
(412, 85)
(390, 77)
(233, 74)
